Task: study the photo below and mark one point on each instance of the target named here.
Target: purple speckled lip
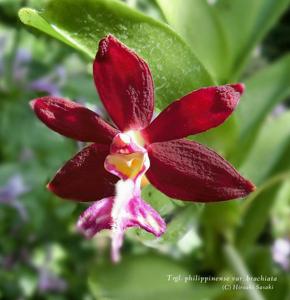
(126, 209)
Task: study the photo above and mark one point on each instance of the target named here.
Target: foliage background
(211, 42)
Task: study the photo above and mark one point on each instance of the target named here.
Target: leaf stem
(238, 266)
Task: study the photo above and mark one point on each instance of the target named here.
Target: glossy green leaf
(146, 277)
(81, 24)
(268, 150)
(196, 21)
(245, 23)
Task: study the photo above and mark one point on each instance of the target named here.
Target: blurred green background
(208, 42)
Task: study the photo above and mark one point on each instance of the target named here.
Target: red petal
(84, 177)
(72, 120)
(194, 113)
(124, 83)
(188, 171)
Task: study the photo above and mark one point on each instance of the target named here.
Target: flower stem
(238, 266)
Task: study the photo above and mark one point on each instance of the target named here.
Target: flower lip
(129, 162)
(127, 159)
(125, 165)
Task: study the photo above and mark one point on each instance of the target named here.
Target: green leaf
(218, 220)
(157, 200)
(245, 23)
(222, 138)
(269, 157)
(256, 211)
(229, 211)
(281, 211)
(224, 33)
(185, 220)
(82, 23)
(237, 264)
(260, 261)
(269, 149)
(196, 21)
(264, 91)
(146, 277)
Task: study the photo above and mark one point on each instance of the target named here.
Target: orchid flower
(120, 157)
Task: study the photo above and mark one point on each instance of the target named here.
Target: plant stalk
(237, 264)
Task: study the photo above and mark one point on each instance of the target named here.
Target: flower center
(136, 137)
(128, 165)
(127, 159)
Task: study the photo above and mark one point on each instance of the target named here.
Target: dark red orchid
(112, 167)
